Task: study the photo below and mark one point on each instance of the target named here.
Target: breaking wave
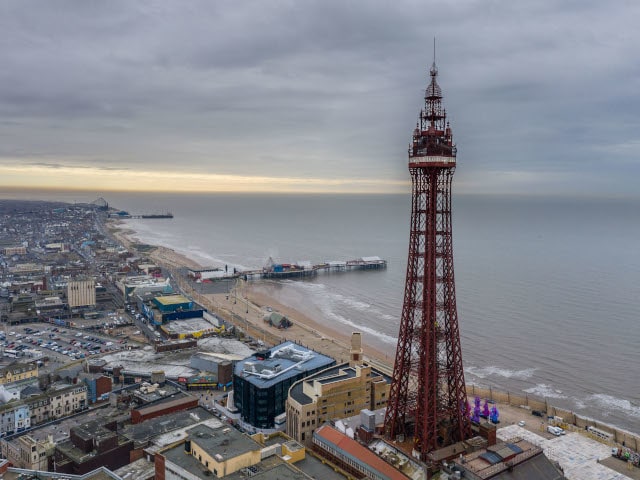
(545, 391)
(484, 372)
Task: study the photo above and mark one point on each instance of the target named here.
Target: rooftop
(189, 326)
(578, 455)
(174, 364)
(163, 405)
(172, 299)
(214, 440)
(155, 427)
(140, 469)
(283, 361)
(92, 430)
(178, 456)
(225, 441)
(332, 374)
(281, 471)
(353, 449)
(297, 388)
(100, 473)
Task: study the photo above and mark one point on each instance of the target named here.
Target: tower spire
(434, 70)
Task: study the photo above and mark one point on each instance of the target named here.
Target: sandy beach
(245, 307)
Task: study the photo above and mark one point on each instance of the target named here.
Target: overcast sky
(543, 96)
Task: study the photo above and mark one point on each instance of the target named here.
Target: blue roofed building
(172, 303)
(261, 382)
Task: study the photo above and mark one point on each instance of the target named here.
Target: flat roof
(189, 326)
(178, 456)
(279, 363)
(158, 407)
(140, 469)
(158, 426)
(92, 430)
(225, 441)
(282, 471)
(297, 388)
(331, 374)
(345, 374)
(213, 440)
(171, 299)
(100, 473)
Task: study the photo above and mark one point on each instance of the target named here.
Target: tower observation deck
(427, 401)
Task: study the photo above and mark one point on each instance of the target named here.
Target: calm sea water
(547, 288)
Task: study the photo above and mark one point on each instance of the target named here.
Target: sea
(547, 287)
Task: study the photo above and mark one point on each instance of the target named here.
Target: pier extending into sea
(275, 270)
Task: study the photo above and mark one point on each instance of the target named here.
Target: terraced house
(56, 403)
(18, 372)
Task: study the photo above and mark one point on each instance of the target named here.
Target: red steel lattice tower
(428, 401)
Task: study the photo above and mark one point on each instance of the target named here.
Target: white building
(81, 293)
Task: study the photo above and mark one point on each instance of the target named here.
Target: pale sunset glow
(126, 180)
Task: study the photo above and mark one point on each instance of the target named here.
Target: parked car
(557, 431)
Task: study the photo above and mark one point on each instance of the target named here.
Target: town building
(17, 390)
(352, 457)
(92, 445)
(49, 304)
(172, 303)
(514, 459)
(29, 453)
(223, 452)
(337, 392)
(141, 284)
(67, 401)
(220, 451)
(215, 372)
(98, 386)
(81, 293)
(206, 273)
(56, 403)
(161, 408)
(158, 433)
(261, 382)
(21, 250)
(18, 372)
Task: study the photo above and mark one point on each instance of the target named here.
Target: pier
(306, 269)
(275, 270)
(126, 215)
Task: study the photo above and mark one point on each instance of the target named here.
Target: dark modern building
(261, 382)
(91, 445)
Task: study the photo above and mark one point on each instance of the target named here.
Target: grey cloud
(316, 88)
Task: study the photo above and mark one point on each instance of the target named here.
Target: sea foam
(545, 391)
(488, 371)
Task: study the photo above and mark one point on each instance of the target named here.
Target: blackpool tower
(427, 401)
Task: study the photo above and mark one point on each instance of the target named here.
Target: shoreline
(245, 307)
